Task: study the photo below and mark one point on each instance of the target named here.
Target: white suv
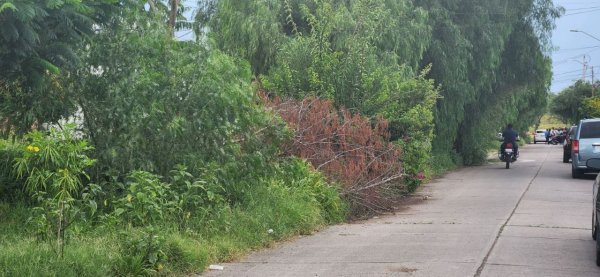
(540, 135)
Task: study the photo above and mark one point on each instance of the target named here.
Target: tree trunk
(60, 232)
(173, 16)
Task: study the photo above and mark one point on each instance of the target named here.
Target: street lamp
(578, 31)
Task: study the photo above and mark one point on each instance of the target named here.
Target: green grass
(90, 256)
(549, 121)
(288, 208)
(439, 164)
(24, 255)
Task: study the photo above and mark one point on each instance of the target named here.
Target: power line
(577, 56)
(575, 49)
(563, 73)
(571, 78)
(576, 76)
(578, 9)
(571, 58)
(573, 73)
(576, 13)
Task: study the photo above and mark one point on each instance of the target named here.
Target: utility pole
(593, 85)
(584, 69)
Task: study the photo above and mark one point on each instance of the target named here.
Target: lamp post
(585, 33)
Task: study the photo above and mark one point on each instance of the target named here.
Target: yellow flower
(36, 149)
(129, 197)
(29, 148)
(160, 267)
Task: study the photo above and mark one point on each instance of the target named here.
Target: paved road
(530, 220)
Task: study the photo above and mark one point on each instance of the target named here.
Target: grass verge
(274, 211)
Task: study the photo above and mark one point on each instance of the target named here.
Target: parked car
(539, 136)
(568, 143)
(584, 146)
(595, 163)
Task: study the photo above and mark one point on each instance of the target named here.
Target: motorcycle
(557, 139)
(508, 155)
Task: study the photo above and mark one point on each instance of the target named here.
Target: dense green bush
(185, 104)
(11, 188)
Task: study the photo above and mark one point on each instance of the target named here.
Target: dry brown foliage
(346, 147)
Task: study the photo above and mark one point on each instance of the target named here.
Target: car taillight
(509, 146)
(575, 146)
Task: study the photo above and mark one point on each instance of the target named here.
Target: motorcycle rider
(510, 136)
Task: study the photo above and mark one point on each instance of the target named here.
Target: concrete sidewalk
(530, 220)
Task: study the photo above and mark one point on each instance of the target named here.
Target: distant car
(568, 143)
(584, 146)
(595, 163)
(540, 136)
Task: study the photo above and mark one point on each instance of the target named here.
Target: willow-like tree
(471, 42)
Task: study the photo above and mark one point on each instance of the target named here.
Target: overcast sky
(583, 15)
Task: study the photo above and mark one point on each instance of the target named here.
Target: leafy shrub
(142, 252)
(194, 196)
(187, 105)
(301, 174)
(147, 201)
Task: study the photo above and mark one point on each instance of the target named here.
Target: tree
(349, 50)
(518, 95)
(151, 103)
(249, 30)
(38, 44)
(591, 107)
(170, 11)
(41, 36)
(468, 52)
(571, 104)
